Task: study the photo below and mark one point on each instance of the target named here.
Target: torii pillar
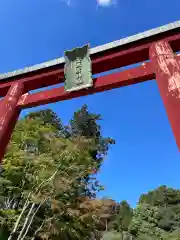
(9, 113)
(167, 70)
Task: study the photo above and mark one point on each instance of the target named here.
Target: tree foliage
(49, 186)
(48, 179)
(156, 217)
(157, 214)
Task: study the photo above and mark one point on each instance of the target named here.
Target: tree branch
(19, 218)
(32, 218)
(26, 221)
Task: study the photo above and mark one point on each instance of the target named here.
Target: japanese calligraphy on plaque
(77, 69)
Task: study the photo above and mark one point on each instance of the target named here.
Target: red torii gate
(158, 45)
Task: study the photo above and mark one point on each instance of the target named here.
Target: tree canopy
(49, 186)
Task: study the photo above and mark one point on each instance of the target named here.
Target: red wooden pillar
(9, 113)
(167, 70)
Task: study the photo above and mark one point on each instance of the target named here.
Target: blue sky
(145, 155)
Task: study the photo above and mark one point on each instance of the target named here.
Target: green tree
(46, 175)
(121, 218)
(86, 124)
(157, 214)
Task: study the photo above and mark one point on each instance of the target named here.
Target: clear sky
(145, 155)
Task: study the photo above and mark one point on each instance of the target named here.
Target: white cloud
(68, 2)
(104, 3)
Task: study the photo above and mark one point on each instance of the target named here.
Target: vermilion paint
(163, 65)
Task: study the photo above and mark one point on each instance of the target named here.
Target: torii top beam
(113, 55)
